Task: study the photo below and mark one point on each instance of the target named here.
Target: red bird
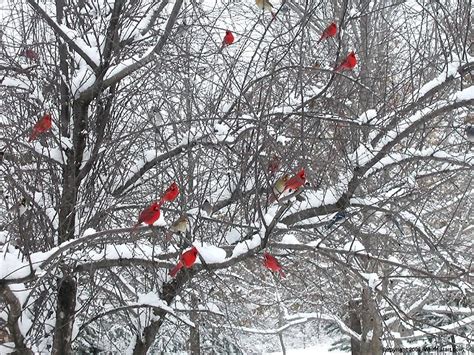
(296, 181)
(227, 41)
(348, 64)
(271, 263)
(330, 31)
(41, 126)
(187, 259)
(30, 54)
(171, 193)
(149, 215)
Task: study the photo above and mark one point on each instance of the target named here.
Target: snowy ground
(321, 348)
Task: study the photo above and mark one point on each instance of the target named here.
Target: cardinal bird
(149, 215)
(41, 126)
(295, 182)
(30, 54)
(265, 5)
(171, 193)
(274, 164)
(330, 31)
(338, 218)
(227, 41)
(179, 226)
(279, 187)
(187, 259)
(271, 263)
(348, 64)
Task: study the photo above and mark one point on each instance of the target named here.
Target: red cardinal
(330, 31)
(171, 193)
(41, 126)
(296, 181)
(349, 63)
(227, 41)
(271, 263)
(30, 54)
(149, 215)
(187, 259)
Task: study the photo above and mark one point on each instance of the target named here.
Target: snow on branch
(123, 70)
(59, 30)
(150, 162)
(426, 92)
(448, 309)
(149, 300)
(302, 318)
(432, 331)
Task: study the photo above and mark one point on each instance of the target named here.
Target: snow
(14, 83)
(148, 156)
(289, 239)
(123, 251)
(436, 330)
(210, 253)
(221, 131)
(12, 267)
(116, 69)
(246, 245)
(284, 140)
(355, 246)
(451, 70)
(82, 80)
(367, 116)
(372, 279)
(208, 307)
(7, 348)
(448, 309)
(323, 348)
(3, 237)
(152, 299)
(319, 198)
(353, 12)
(89, 231)
(92, 53)
(53, 216)
(233, 236)
(465, 95)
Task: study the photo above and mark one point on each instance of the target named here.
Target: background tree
(140, 97)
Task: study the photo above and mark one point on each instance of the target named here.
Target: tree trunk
(64, 316)
(170, 290)
(194, 336)
(370, 324)
(355, 325)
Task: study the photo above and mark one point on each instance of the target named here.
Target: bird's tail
(282, 273)
(168, 235)
(272, 198)
(221, 48)
(328, 226)
(135, 229)
(174, 271)
(338, 68)
(274, 15)
(33, 136)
